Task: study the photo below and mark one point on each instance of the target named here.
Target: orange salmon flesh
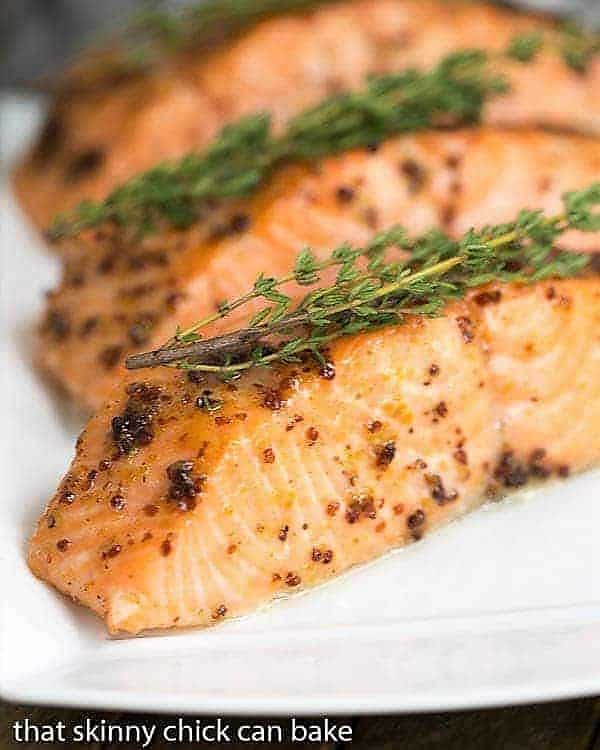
(172, 514)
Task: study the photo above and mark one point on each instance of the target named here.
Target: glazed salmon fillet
(117, 299)
(172, 515)
(93, 141)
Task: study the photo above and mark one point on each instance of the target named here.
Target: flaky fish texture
(93, 141)
(190, 501)
(118, 299)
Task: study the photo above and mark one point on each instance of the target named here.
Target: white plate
(502, 607)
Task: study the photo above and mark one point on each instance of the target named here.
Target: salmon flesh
(190, 501)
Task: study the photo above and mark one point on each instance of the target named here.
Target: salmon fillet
(116, 300)
(96, 140)
(171, 515)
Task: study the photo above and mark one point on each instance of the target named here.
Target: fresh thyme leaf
(371, 291)
(577, 47)
(580, 207)
(525, 47)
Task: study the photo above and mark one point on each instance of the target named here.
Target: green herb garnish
(526, 46)
(576, 46)
(370, 291)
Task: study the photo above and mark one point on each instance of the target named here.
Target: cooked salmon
(173, 514)
(93, 141)
(117, 299)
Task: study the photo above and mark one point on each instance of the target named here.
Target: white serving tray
(502, 607)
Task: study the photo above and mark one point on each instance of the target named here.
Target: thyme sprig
(371, 291)
(246, 152)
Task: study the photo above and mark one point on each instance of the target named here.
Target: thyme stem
(238, 340)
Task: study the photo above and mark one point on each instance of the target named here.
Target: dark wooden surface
(569, 725)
